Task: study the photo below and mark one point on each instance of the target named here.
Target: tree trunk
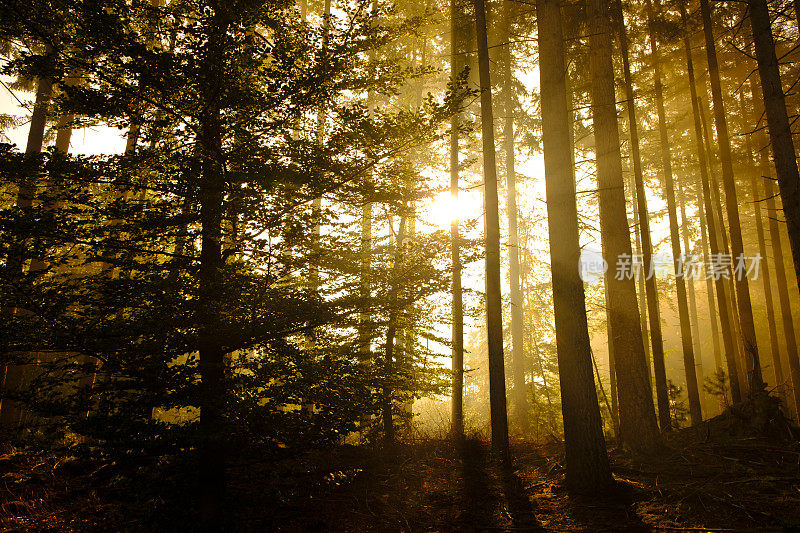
(719, 245)
(733, 311)
(364, 318)
(316, 205)
(698, 360)
(703, 178)
(783, 151)
(789, 334)
(751, 359)
(517, 312)
(212, 448)
(641, 211)
(586, 458)
(456, 66)
(674, 230)
(494, 304)
(638, 426)
(212, 456)
(708, 227)
(641, 281)
(764, 269)
(364, 335)
(407, 339)
(713, 316)
(612, 371)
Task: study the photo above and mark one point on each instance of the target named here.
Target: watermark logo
(688, 267)
(592, 266)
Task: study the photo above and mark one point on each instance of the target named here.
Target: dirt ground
(744, 484)
(736, 484)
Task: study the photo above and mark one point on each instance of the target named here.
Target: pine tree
(751, 360)
(456, 66)
(698, 360)
(517, 318)
(764, 268)
(713, 227)
(677, 254)
(587, 462)
(494, 310)
(637, 414)
(641, 209)
(780, 133)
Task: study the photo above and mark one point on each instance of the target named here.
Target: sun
(443, 209)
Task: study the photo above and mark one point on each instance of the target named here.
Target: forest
(373, 265)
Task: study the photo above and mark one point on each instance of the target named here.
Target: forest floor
(731, 483)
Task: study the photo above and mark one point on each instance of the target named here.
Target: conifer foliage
(174, 299)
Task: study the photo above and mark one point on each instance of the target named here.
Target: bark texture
(638, 425)
(587, 462)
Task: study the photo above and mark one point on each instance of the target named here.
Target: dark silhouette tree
(494, 304)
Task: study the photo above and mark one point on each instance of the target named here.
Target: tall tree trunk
(733, 309)
(783, 150)
(612, 368)
(706, 216)
(494, 304)
(789, 334)
(638, 426)
(764, 271)
(641, 211)
(766, 274)
(641, 281)
(725, 248)
(713, 316)
(316, 206)
(703, 179)
(719, 245)
(784, 156)
(212, 371)
(587, 461)
(407, 339)
(674, 230)
(14, 375)
(784, 305)
(751, 359)
(364, 326)
(364, 335)
(698, 361)
(517, 312)
(212, 448)
(456, 66)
